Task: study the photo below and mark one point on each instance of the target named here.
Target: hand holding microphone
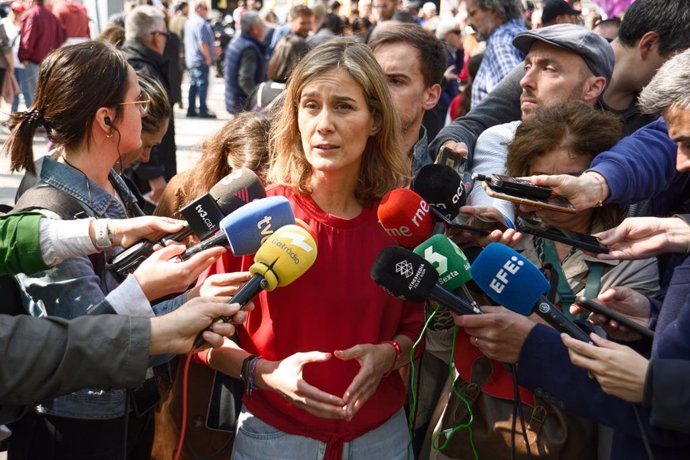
(285, 256)
(516, 283)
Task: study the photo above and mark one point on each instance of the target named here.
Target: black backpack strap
(44, 196)
(52, 199)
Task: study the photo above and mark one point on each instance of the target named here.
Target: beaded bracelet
(396, 347)
(252, 366)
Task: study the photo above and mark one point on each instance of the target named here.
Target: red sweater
(333, 306)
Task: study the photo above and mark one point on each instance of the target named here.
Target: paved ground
(189, 134)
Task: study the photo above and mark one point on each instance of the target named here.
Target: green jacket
(20, 249)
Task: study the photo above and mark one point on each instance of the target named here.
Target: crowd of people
(332, 113)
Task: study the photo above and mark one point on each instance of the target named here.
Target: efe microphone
(248, 227)
(516, 283)
(285, 256)
(407, 276)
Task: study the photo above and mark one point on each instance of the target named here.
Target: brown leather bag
(552, 433)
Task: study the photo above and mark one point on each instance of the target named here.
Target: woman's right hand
(285, 378)
(625, 300)
(162, 273)
(220, 285)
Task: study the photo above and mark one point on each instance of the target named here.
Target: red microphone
(406, 217)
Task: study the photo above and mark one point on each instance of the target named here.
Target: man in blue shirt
(198, 50)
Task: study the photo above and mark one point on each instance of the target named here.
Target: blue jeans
(25, 86)
(198, 85)
(257, 440)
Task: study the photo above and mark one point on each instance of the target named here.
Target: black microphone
(203, 216)
(407, 276)
(441, 186)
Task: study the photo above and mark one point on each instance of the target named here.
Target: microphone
(441, 186)
(230, 193)
(406, 217)
(407, 276)
(451, 264)
(516, 283)
(203, 216)
(285, 256)
(247, 228)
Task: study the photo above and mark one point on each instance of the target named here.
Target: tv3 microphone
(248, 227)
(407, 276)
(516, 283)
(441, 186)
(233, 191)
(451, 264)
(405, 217)
(285, 256)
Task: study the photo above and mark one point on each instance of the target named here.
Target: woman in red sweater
(317, 356)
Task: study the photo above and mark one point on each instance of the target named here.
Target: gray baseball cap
(594, 49)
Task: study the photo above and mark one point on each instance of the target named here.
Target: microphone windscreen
(237, 189)
(285, 256)
(405, 216)
(448, 260)
(249, 226)
(441, 186)
(404, 274)
(509, 278)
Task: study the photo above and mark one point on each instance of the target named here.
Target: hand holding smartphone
(597, 307)
(579, 240)
(521, 191)
(449, 158)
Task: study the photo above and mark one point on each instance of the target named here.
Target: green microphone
(451, 264)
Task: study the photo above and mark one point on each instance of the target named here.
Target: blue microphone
(516, 283)
(248, 227)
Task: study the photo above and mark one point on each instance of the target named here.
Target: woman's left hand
(374, 361)
(619, 369)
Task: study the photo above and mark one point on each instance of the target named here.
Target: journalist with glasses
(89, 101)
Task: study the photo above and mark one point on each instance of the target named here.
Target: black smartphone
(579, 240)
(516, 187)
(597, 307)
(450, 224)
(449, 158)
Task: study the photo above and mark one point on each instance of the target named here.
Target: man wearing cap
(563, 63)
(497, 22)
(559, 12)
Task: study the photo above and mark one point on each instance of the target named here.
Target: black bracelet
(244, 373)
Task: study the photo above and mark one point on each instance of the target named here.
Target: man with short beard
(563, 63)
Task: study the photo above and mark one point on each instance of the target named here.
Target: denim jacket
(69, 288)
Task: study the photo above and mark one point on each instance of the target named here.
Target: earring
(109, 135)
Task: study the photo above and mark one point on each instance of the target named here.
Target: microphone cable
(643, 433)
(411, 418)
(517, 407)
(183, 426)
(448, 433)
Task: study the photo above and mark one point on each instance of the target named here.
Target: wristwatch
(102, 232)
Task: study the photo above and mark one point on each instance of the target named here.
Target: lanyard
(547, 253)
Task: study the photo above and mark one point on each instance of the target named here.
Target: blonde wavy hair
(384, 165)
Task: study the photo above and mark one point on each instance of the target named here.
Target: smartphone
(579, 240)
(553, 203)
(449, 158)
(597, 307)
(450, 224)
(519, 187)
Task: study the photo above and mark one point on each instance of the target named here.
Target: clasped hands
(285, 377)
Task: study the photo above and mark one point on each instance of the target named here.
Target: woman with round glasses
(89, 100)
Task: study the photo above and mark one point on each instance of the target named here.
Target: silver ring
(476, 342)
